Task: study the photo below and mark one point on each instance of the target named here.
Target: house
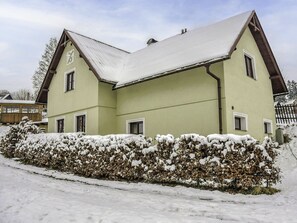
(12, 111)
(5, 96)
(220, 78)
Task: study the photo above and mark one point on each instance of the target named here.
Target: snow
(17, 102)
(32, 194)
(213, 42)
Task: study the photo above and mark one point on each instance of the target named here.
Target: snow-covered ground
(31, 194)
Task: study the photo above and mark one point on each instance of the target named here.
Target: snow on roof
(16, 102)
(209, 43)
(106, 60)
(198, 46)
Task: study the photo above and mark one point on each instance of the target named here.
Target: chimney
(151, 41)
(183, 31)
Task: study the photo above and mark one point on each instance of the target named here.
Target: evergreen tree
(292, 92)
(43, 65)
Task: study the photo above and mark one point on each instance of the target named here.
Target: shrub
(216, 161)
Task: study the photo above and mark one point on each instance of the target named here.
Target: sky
(27, 25)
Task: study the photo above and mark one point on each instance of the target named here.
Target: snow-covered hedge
(16, 134)
(213, 161)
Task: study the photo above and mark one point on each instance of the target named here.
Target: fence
(286, 114)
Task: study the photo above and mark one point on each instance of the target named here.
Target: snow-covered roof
(105, 59)
(191, 49)
(16, 102)
(6, 97)
(197, 46)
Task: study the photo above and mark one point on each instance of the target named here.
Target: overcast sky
(27, 25)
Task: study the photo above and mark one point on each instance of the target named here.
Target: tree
(43, 65)
(22, 94)
(292, 92)
(292, 87)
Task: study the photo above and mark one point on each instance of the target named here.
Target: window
(70, 81)
(249, 65)
(240, 121)
(60, 125)
(237, 123)
(135, 126)
(81, 123)
(30, 110)
(12, 109)
(267, 126)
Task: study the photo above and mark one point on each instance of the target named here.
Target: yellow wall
(245, 94)
(107, 109)
(83, 99)
(180, 103)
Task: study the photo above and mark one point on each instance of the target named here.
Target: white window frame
(75, 120)
(268, 121)
(244, 121)
(246, 53)
(65, 78)
(56, 123)
(134, 120)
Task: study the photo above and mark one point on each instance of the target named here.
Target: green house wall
(245, 94)
(184, 102)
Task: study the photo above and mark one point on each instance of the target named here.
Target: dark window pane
(237, 123)
(81, 123)
(249, 66)
(60, 125)
(136, 128)
(70, 81)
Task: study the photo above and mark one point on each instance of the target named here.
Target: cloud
(32, 16)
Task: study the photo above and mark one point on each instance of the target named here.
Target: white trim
(246, 53)
(134, 120)
(56, 122)
(269, 121)
(65, 78)
(244, 121)
(74, 119)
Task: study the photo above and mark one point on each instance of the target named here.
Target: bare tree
(22, 94)
(43, 65)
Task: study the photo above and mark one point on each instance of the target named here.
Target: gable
(195, 48)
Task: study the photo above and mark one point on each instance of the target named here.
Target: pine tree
(43, 65)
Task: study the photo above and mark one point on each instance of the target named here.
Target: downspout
(219, 96)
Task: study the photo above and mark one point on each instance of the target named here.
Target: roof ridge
(96, 40)
(194, 29)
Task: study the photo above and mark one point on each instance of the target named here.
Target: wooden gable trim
(81, 53)
(65, 37)
(277, 81)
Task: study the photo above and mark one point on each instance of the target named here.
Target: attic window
(70, 81)
(249, 65)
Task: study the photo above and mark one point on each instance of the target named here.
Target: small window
(249, 65)
(237, 123)
(60, 125)
(81, 123)
(136, 128)
(70, 81)
(240, 121)
(267, 126)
